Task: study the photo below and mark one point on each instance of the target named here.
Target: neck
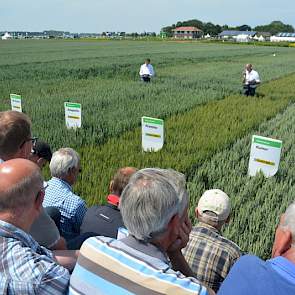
(290, 254)
(18, 220)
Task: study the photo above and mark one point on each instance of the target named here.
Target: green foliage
(257, 202)
(275, 27)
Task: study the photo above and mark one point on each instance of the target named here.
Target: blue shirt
(59, 194)
(26, 267)
(251, 275)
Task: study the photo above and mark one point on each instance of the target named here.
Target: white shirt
(146, 69)
(250, 76)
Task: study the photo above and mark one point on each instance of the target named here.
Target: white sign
(16, 102)
(152, 134)
(265, 156)
(73, 115)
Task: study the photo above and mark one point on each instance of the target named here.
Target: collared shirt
(26, 267)
(102, 220)
(146, 69)
(251, 275)
(210, 255)
(252, 76)
(108, 266)
(72, 208)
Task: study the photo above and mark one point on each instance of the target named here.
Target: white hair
(149, 201)
(62, 161)
(289, 220)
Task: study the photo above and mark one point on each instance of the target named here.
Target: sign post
(264, 156)
(152, 134)
(16, 102)
(73, 114)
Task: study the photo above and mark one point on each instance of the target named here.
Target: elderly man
(154, 208)
(208, 253)
(65, 168)
(276, 276)
(26, 267)
(106, 220)
(250, 80)
(16, 142)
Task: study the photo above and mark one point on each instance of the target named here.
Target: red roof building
(187, 33)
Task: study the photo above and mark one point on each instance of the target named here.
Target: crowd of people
(140, 242)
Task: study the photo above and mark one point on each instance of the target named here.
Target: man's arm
(66, 258)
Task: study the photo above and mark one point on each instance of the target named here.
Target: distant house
(187, 33)
(6, 36)
(262, 36)
(285, 37)
(244, 36)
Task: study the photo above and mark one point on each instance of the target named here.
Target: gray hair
(62, 161)
(21, 194)
(149, 201)
(289, 220)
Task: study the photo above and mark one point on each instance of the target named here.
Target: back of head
(147, 61)
(121, 179)
(15, 129)
(149, 201)
(42, 150)
(20, 181)
(214, 207)
(62, 161)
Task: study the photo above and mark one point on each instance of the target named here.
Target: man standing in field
(250, 80)
(146, 71)
(208, 253)
(276, 276)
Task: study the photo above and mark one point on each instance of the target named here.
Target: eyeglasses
(32, 139)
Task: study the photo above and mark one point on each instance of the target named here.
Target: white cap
(216, 201)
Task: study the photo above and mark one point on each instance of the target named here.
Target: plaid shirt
(26, 267)
(59, 194)
(210, 255)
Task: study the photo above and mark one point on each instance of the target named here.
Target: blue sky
(135, 15)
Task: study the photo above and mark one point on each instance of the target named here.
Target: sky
(96, 16)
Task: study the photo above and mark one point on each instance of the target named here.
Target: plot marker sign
(73, 115)
(264, 156)
(152, 134)
(16, 102)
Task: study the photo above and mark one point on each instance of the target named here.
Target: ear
(111, 186)
(197, 213)
(173, 226)
(282, 243)
(39, 201)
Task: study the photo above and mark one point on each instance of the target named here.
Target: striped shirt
(108, 266)
(59, 194)
(210, 255)
(26, 267)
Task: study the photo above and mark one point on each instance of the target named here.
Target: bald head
(121, 179)
(20, 182)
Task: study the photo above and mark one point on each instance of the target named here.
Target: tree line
(212, 29)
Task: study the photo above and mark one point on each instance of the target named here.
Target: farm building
(285, 37)
(243, 36)
(187, 33)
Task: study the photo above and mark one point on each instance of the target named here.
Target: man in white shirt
(146, 71)
(250, 80)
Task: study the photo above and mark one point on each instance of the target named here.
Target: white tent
(242, 38)
(6, 36)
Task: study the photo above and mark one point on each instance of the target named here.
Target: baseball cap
(216, 201)
(42, 149)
